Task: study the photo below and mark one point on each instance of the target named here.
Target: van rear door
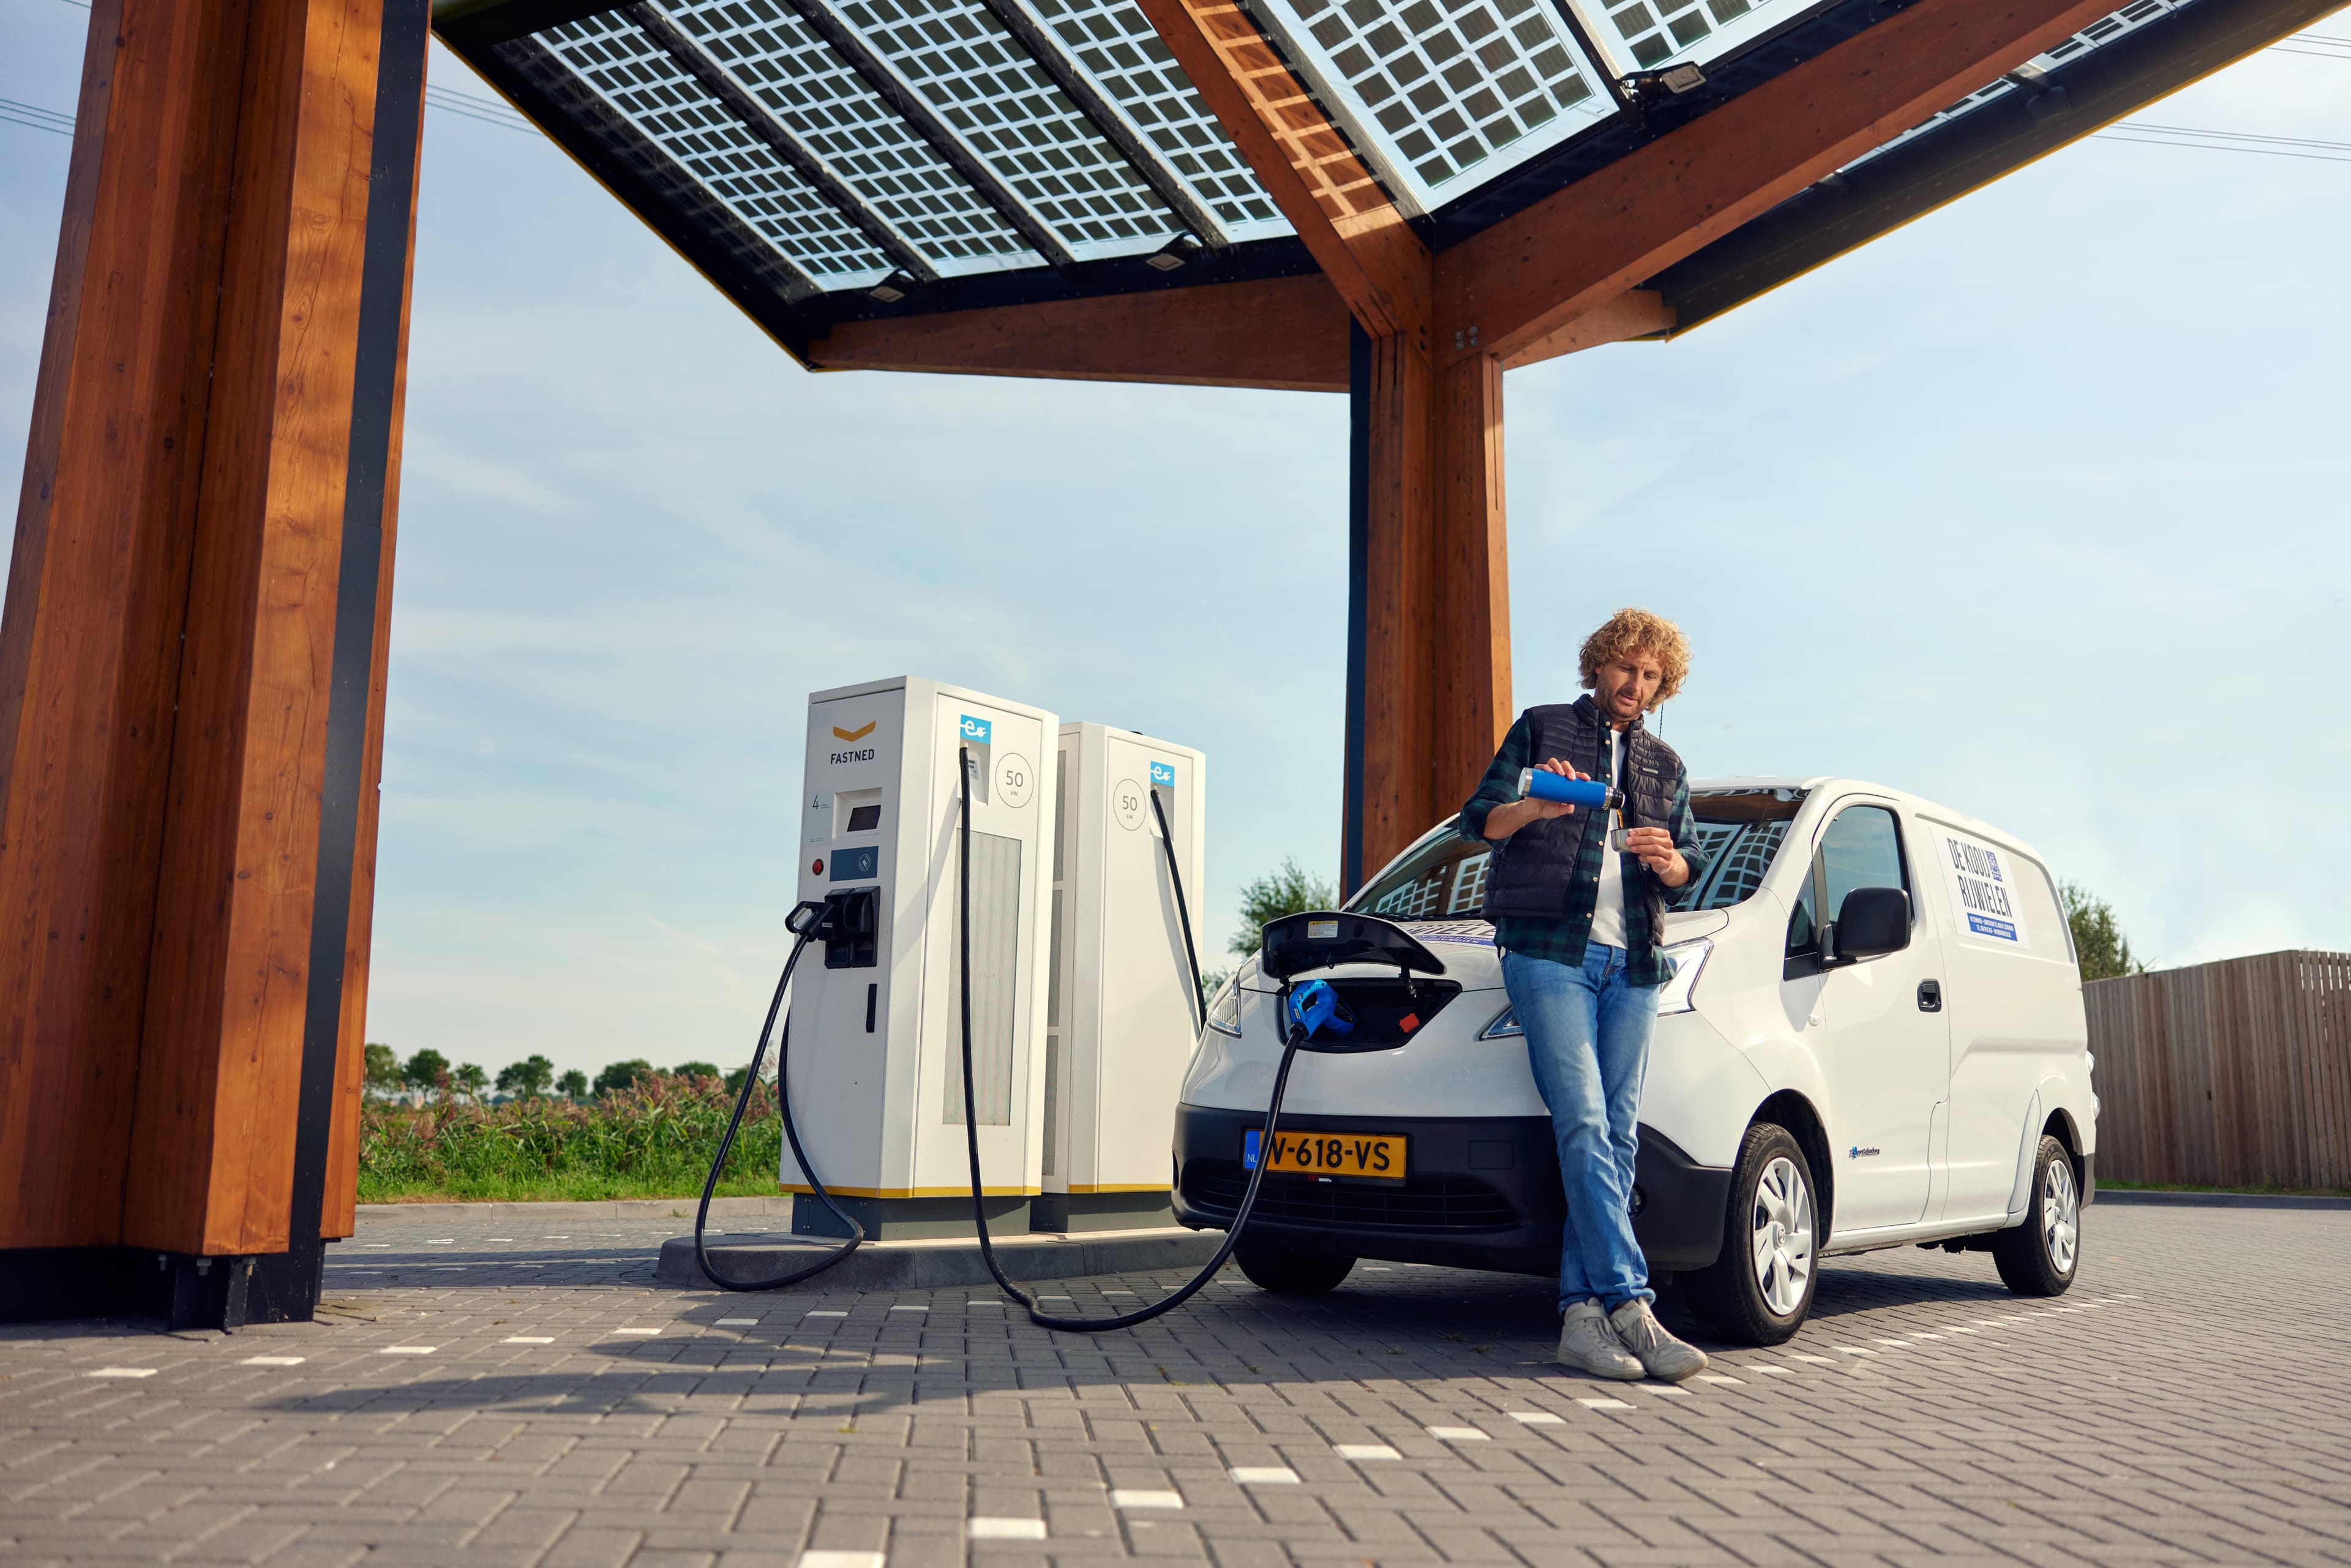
(2013, 997)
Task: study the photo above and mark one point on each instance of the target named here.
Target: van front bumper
(1480, 1192)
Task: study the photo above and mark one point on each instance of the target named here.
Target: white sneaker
(1661, 1355)
(1588, 1343)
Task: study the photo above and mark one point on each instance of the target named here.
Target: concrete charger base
(941, 1262)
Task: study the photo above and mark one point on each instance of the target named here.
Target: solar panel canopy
(839, 160)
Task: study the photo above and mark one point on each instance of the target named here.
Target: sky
(2035, 508)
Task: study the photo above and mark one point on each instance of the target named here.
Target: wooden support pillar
(191, 658)
(1428, 617)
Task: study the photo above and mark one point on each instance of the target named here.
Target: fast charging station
(1122, 1025)
(875, 1064)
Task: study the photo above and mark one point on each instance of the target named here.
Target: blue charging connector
(1315, 1006)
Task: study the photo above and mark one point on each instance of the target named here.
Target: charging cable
(1294, 1035)
(807, 922)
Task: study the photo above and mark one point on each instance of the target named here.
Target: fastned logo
(859, 733)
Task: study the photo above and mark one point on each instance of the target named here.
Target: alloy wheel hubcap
(1781, 1242)
(2060, 1216)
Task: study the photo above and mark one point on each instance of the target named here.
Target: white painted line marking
(1006, 1529)
(408, 1350)
(554, 1239)
(1899, 1344)
(1767, 1366)
(843, 1560)
(987, 1303)
(122, 1371)
(1052, 1298)
(379, 1246)
(1361, 1451)
(1854, 1350)
(1925, 1336)
(1121, 1498)
(1819, 1360)
(910, 1309)
(1118, 1292)
(1604, 1404)
(738, 1322)
(1264, 1475)
(1717, 1377)
(501, 1239)
(1535, 1417)
(273, 1361)
(1957, 1329)
(1671, 1393)
(826, 1312)
(440, 1241)
(638, 1334)
(1456, 1434)
(528, 1339)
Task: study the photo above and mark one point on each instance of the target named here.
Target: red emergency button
(816, 867)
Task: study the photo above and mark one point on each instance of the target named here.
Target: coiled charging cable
(806, 922)
(1294, 1036)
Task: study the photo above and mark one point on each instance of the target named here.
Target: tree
(572, 1084)
(1288, 891)
(695, 1069)
(383, 1075)
(470, 1078)
(2098, 941)
(620, 1075)
(424, 1069)
(530, 1076)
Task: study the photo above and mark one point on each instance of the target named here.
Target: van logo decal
(841, 734)
(1860, 1152)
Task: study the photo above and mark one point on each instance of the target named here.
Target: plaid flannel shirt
(1563, 940)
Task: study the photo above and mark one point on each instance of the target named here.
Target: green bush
(651, 1139)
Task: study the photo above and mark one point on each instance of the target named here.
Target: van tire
(2041, 1257)
(1728, 1295)
(1288, 1272)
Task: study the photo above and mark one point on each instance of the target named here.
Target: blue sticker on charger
(857, 865)
(977, 730)
(1164, 774)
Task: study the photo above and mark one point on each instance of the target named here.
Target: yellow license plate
(1378, 1157)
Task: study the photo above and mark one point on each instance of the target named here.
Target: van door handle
(1930, 996)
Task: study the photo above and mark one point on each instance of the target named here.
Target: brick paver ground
(524, 1399)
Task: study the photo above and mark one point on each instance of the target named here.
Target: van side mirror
(1870, 924)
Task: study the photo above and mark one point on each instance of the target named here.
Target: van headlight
(1690, 957)
(1225, 1012)
(1506, 1025)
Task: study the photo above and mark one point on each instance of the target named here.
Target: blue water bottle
(1589, 793)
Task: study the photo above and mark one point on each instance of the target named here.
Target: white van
(1836, 1068)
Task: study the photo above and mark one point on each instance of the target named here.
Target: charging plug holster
(851, 928)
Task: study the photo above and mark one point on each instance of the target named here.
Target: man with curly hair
(1578, 924)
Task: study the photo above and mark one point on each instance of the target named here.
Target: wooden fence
(2229, 1074)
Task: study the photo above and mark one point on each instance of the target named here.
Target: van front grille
(1422, 1203)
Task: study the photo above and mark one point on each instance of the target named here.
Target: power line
(35, 117)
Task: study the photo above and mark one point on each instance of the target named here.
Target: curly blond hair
(1631, 631)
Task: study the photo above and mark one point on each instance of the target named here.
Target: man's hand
(1508, 818)
(1654, 847)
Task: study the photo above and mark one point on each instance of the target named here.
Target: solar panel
(980, 78)
(831, 109)
(1114, 45)
(1648, 34)
(649, 89)
(1440, 95)
(2103, 31)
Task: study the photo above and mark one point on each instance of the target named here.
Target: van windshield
(1444, 876)
(1740, 830)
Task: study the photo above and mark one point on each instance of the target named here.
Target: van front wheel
(1759, 1290)
(2039, 1257)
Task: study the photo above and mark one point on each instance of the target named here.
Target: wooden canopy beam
(1518, 283)
(1285, 333)
(1364, 245)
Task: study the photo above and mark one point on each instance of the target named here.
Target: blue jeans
(1588, 1042)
